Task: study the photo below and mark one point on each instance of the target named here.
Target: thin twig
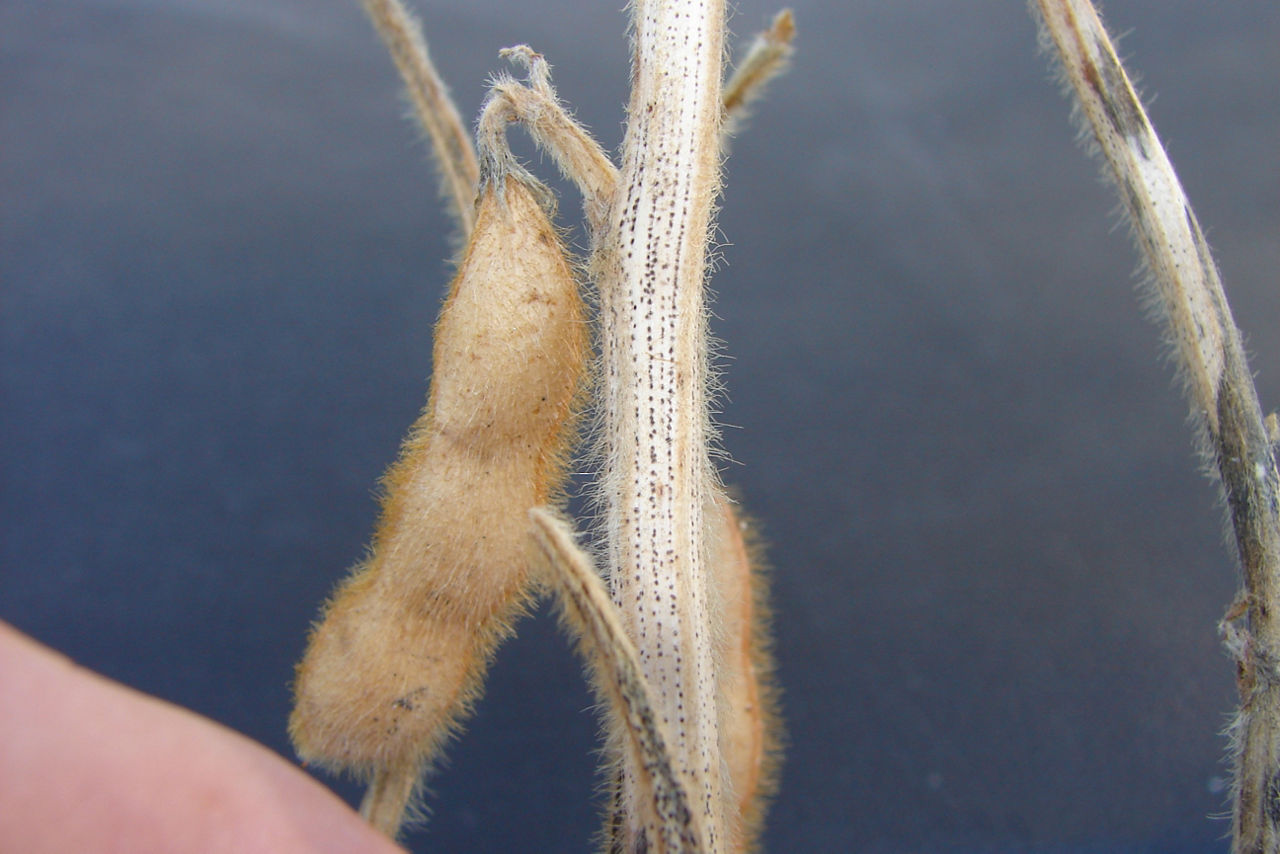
(766, 58)
(389, 798)
(614, 665)
(455, 157)
(1223, 398)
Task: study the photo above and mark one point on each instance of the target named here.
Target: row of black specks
(655, 357)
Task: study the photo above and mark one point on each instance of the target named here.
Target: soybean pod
(400, 654)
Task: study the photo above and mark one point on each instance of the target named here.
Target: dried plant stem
(390, 795)
(766, 58)
(459, 169)
(654, 389)
(614, 665)
(1223, 398)
(747, 719)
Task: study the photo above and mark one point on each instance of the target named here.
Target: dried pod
(400, 655)
(750, 725)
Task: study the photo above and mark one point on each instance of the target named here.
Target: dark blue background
(997, 568)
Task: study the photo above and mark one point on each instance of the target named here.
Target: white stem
(654, 387)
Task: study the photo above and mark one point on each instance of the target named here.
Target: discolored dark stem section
(1220, 387)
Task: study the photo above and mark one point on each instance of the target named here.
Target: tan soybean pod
(404, 643)
(750, 725)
